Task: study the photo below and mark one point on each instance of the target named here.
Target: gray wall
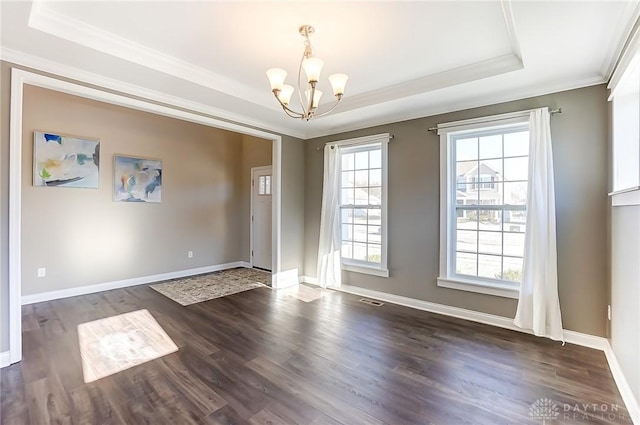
(256, 152)
(82, 237)
(293, 195)
(625, 292)
(580, 153)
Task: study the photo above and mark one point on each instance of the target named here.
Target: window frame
(447, 277)
(351, 265)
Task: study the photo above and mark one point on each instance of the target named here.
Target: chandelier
(312, 67)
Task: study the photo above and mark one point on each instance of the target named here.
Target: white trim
(107, 286)
(252, 171)
(362, 267)
(45, 65)
(497, 289)
(632, 404)
(374, 271)
(374, 138)
(510, 24)
(629, 57)
(66, 27)
(511, 118)
(451, 77)
(625, 198)
(5, 359)
(572, 337)
(448, 278)
(18, 79)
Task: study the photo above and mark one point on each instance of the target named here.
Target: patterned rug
(205, 287)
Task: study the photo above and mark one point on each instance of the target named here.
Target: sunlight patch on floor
(303, 293)
(117, 343)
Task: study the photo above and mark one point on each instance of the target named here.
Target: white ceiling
(404, 59)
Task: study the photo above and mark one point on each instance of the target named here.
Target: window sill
(625, 197)
(479, 287)
(366, 270)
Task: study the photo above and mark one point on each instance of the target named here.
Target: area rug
(205, 287)
(117, 343)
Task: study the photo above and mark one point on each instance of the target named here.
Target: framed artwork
(137, 179)
(65, 161)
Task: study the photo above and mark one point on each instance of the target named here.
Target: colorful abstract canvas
(137, 179)
(65, 161)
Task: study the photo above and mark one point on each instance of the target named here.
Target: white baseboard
(572, 337)
(5, 359)
(99, 287)
(628, 397)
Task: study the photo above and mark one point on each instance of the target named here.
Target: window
(484, 207)
(264, 185)
(625, 95)
(362, 204)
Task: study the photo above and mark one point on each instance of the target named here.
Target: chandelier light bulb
(312, 67)
(338, 83)
(285, 94)
(276, 78)
(316, 98)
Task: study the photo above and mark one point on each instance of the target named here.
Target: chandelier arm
(288, 110)
(331, 109)
(304, 110)
(291, 113)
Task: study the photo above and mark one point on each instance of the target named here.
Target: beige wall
(625, 292)
(580, 154)
(82, 237)
(256, 152)
(292, 216)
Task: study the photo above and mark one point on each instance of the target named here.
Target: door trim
(254, 169)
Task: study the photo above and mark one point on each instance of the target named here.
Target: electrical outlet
(42, 272)
(190, 254)
(609, 311)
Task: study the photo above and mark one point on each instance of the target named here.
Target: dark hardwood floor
(259, 357)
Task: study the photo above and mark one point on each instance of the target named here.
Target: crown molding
(132, 90)
(464, 74)
(510, 23)
(458, 106)
(44, 19)
(623, 34)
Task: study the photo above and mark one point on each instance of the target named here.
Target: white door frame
(21, 77)
(253, 169)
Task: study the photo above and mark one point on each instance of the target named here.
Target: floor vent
(370, 302)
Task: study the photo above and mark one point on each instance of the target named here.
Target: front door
(261, 189)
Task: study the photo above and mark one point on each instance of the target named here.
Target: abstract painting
(137, 179)
(65, 161)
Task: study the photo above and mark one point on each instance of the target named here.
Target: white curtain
(538, 303)
(329, 272)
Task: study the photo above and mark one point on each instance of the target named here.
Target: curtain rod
(391, 136)
(500, 117)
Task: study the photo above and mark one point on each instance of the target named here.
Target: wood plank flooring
(260, 358)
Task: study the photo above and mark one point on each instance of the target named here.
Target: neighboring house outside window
(483, 206)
